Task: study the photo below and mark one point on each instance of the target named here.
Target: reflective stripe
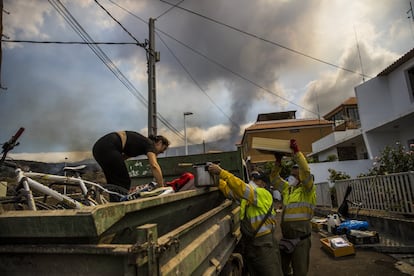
(247, 191)
(265, 228)
(267, 225)
(297, 216)
(298, 211)
(261, 217)
(300, 205)
(255, 197)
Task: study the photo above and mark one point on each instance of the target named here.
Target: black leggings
(107, 151)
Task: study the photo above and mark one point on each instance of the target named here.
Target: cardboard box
(317, 223)
(339, 251)
(271, 145)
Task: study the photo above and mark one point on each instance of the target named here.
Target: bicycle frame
(25, 180)
(29, 184)
(64, 180)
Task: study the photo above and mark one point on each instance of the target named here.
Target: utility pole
(411, 11)
(1, 37)
(185, 131)
(153, 57)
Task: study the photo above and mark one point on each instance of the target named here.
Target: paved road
(364, 262)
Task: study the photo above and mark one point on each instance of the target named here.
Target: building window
(353, 114)
(410, 75)
(353, 117)
(338, 118)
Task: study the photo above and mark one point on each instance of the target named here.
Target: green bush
(332, 158)
(392, 160)
(337, 175)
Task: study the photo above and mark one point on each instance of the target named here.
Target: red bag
(178, 183)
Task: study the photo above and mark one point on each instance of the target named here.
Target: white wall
(377, 141)
(382, 100)
(373, 103)
(352, 167)
(401, 99)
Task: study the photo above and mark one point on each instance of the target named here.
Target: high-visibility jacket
(299, 201)
(256, 200)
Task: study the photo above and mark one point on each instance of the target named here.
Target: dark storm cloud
(330, 90)
(67, 98)
(251, 58)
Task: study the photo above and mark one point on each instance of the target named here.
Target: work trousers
(262, 256)
(297, 263)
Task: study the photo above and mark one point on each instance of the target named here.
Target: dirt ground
(364, 262)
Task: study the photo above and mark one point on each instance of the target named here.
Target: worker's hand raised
(214, 169)
(294, 145)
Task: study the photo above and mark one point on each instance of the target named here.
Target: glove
(214, 169)
(294, 146)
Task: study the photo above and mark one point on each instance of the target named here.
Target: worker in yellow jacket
(261, 252)
(299, 199)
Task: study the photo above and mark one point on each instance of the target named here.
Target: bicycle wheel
(102, 196)
(19, 203)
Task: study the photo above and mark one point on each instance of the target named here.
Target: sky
(224, 61)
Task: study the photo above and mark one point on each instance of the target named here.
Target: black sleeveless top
(137, 144)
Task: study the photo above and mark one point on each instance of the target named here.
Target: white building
(386, 116)
(386, 106)
(346, 142)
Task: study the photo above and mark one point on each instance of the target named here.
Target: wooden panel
(273, 145)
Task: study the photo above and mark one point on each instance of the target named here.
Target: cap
(259, 176)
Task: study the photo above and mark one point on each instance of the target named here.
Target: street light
(185, 132)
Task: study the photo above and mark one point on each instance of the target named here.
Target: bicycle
(90, 194)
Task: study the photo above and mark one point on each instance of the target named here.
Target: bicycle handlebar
(9, 145)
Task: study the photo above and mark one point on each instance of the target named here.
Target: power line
(169, 9)
(159, 116)
(196, 83)
(60, 8)
(67, 42)
(119, 23)
(235, 73)
(127, 11)
(267, 40)
(181, 64)
(216, 62)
